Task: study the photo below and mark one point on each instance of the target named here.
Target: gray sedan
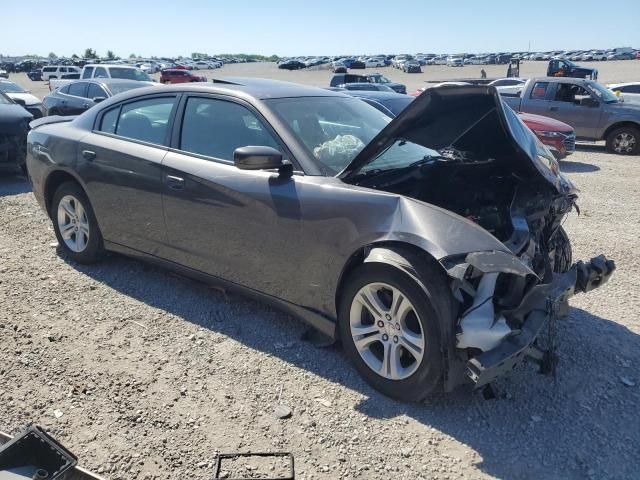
(429, 244)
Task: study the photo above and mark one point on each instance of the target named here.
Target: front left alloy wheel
(75, 224)
(390, 328)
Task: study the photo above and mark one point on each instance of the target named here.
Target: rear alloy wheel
(75, 224)
(624, 141)
(390, 329)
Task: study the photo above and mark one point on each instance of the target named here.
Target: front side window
(87, 72)
(144, 120)
(215, 128)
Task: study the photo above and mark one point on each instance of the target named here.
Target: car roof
(626, 84)
(376, 94)
(248, 88)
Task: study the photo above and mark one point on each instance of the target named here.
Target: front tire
(75, 224)
(391, 328)
(624, 141)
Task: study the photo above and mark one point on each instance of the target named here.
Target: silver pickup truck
(594, 111)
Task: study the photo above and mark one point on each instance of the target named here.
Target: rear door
(120, 162)
(75, 100)
(231, 223)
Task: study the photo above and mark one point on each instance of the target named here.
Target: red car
(177, 75)
(557, 135)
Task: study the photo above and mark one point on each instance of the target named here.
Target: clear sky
(320, 27)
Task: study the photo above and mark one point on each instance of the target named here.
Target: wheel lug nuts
(387, 316)
(381, 324)
(397, 326)
(395, 339)
(385, 337)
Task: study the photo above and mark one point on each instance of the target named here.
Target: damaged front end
(463, 150)
(506, 307)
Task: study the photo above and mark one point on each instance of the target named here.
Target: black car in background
(76, 97)
(291, 65)
(365, 86)
(14, 126)
(411, 66)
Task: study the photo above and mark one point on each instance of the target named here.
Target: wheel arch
(624, 123)
(392, 253)
(53, 181)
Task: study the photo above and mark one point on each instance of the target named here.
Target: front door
(569, 103)
(243, 226)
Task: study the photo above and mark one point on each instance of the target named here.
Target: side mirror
(20, 101)
(257, 158)
(98, 99)
(589, 102)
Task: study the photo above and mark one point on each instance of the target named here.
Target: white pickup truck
(101, 70)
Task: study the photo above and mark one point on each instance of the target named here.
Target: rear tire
(624, 140)
(75, 224)
(387, 354)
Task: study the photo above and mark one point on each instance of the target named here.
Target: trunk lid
(472, 119)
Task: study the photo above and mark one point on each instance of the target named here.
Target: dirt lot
(144, 374)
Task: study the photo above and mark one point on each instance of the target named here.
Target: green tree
(133, 55)
(111, 55)
(90, 53)
(74, 56)
(52, 56)
(197, 55)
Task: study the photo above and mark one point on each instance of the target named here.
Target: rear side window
(215, 128)
(48, 69)
(144, 120)
(78, 89)
(86, 73)
(539, 90)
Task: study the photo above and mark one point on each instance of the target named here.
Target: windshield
(4, 100)
(333, 129)
(10, 87)
(129, 74)
(379, 79)
(604, 94)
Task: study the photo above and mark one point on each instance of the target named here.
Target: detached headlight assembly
(543, 133)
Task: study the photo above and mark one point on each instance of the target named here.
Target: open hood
(470, 119)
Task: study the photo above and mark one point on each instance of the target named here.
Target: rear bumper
(539, 307)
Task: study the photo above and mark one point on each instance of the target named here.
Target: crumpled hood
(470, 118)
(26, 97)
(14, 120)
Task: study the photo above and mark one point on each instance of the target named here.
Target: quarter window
(110, 120)
(215, 128)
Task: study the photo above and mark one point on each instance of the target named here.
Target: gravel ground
(144, 374)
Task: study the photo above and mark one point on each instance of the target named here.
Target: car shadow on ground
(515, 434)
(567, 166)
(13, 184)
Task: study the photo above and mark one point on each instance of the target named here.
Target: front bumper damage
(500, 339)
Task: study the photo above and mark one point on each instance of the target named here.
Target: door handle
(89, 155)
(85, 105)
(553, 109)
(175, 183)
